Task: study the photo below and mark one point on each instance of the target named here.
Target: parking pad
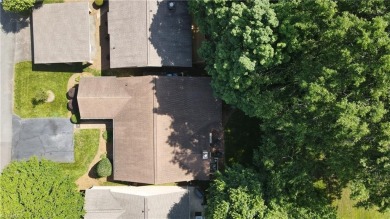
(49, 138)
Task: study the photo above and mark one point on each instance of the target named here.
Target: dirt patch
(50, 96)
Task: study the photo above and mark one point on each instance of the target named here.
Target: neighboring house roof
(161, 124)
(147, 33)
(61, 33)
(119, 202)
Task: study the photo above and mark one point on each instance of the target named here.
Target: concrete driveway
(48, 138)
(14, 45)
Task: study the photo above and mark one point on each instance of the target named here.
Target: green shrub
(104, 167)
(40, 96)
(107, 135)
(99, 2)
(75, 119)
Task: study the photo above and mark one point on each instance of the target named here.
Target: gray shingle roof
(61, 33)
(161, 124)
(146, 33)
(136, 202)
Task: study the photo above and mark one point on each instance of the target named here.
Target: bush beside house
(99, 2)
(75, 119)
(104, 167)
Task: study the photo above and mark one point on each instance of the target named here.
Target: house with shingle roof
(61, 33)
(149, 33)
(116, 202)
(161, 125)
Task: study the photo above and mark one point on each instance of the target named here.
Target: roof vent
(171, 5)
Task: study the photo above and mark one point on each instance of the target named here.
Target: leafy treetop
(38, 189)
(18, 6)
(317, 75)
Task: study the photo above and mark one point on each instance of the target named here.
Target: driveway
(48, 138)
(12, 28)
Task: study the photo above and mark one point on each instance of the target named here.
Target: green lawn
(52, 1)
(27, 82)
(86, 143)
(116, 183)
(242, 135)
(347, 211)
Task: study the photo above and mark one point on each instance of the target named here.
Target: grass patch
(52, 1)
(345, 209)
(86, 143)
(27, 82)
(93, 71)
(242, 135)
(116, 183)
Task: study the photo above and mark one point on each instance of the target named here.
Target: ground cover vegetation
(38, 189)
(104, 167)
(316, 75)
(28, 86)
(86, 144)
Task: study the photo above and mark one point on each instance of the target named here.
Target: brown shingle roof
(161, 124)
(146, 33)
(61, 33)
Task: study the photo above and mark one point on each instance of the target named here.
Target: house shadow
(104, 37)
(12, 22)
(60, 67)
(188, 105)
(170, 33)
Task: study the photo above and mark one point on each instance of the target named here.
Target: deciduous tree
(18, 5)
(38, 189)
(317, 75)
(239, 193)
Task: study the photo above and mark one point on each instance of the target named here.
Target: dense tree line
(317, 75)
(38, 189)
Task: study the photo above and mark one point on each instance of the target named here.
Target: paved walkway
(7, 42)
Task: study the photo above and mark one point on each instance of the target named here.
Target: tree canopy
(239, 193)
(18, 5)
(38, 189)
(317, 75)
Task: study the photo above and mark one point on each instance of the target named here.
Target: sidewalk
(15, 45)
